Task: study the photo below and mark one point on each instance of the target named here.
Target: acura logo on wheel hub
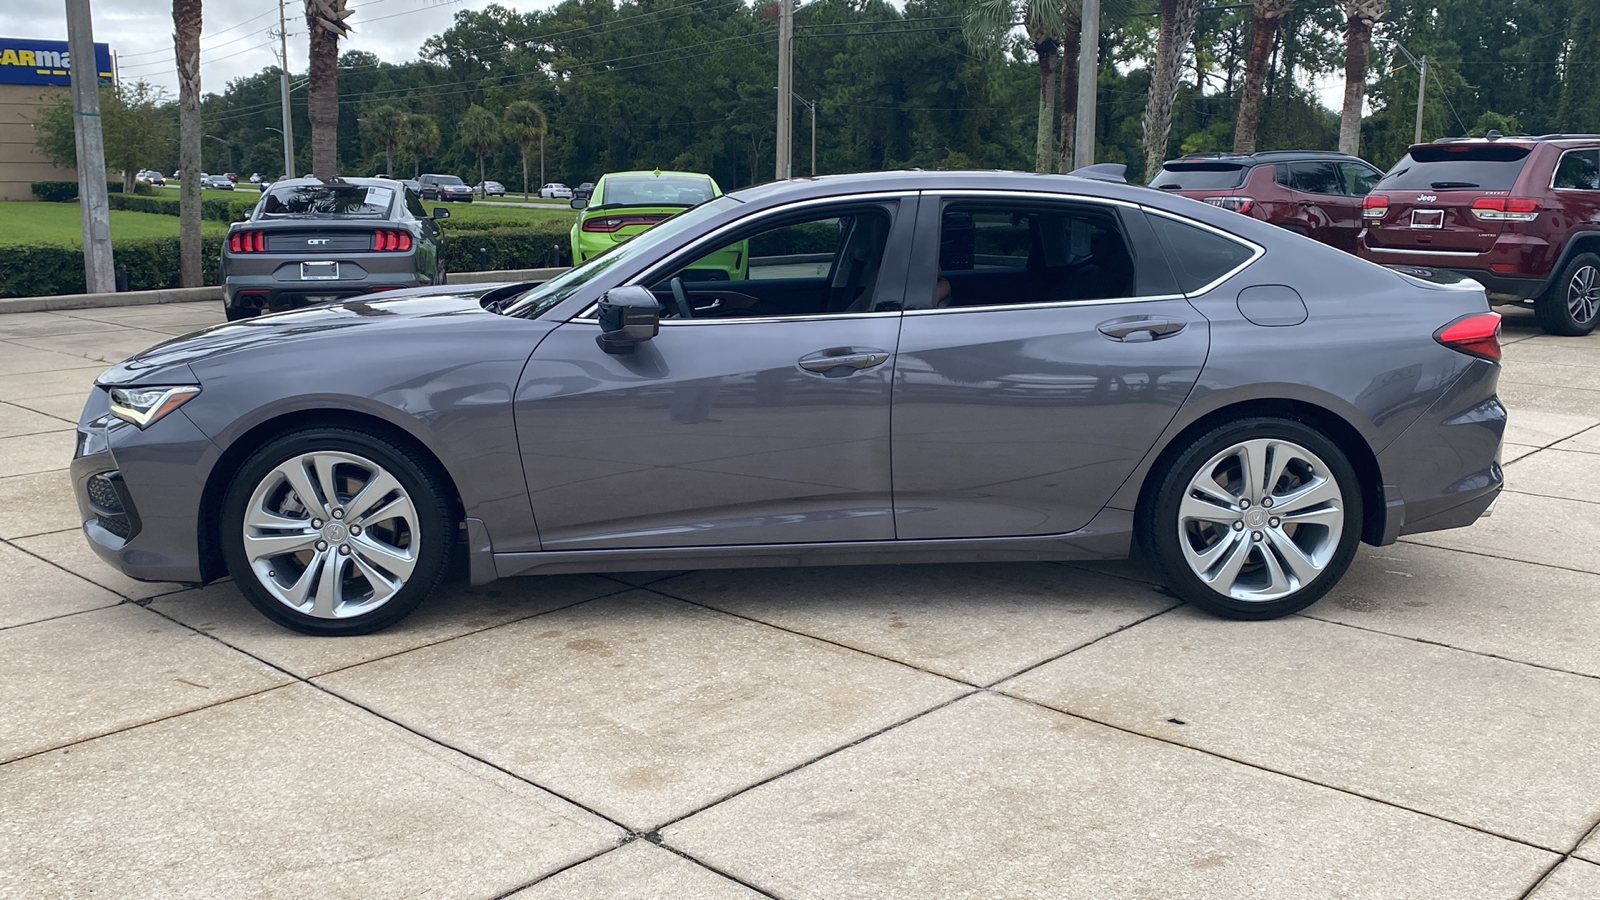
(335, 532)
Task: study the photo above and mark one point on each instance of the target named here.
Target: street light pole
(785, 167)
(288, 120)
(98, 272)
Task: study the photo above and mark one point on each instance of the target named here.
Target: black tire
(1160, 528)
(1555, 310)
(235, 313)
(435, 523)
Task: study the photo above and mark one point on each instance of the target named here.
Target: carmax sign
(24, 61)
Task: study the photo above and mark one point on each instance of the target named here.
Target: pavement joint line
(1565, 858)
(1265, 768)
(294, 678)
(572, 865)
(11, 542)
(23, 537)
(994, 685)
(709, 867)
(76, 612)
(1484, 653)
(1549, 496)
(36, 412)
(1488, 555)
(1078, 566)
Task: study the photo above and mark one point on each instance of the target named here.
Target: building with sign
(33, 74)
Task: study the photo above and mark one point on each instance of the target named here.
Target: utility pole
(1422, 84)
(98, 272)
(288, 120)
(1088, 85)
(785, 152)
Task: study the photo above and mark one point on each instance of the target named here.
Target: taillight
(391, 241)
(1475, 335)
(614, 224)
(1237, 204)
(247, 242)
(1505, 209)
(1374, 207)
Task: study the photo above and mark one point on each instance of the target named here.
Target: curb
(214, 292)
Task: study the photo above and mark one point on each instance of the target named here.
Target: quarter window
(1579, 170)
(1358, 180)
(998, 254)
(1199, 257)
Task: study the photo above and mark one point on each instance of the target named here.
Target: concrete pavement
(1429, 730)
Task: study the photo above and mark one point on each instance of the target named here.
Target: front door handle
(836, 362)
(1141, 329)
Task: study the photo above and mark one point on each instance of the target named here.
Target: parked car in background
(412, 185)
(255, 178)
(231, 176)
(310, 241)
(1311, 192)
(555, 191)
(582, 191)
(625, 204)
(1519, 215)
(444, 187)
(976, 370)
(150, 176)
(489, 189)
(215, 183)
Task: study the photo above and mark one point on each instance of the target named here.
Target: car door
(1357, 180)
(1326, 213)
(740, 423)
(1044, 348)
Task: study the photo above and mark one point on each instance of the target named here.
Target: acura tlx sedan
(913, 367)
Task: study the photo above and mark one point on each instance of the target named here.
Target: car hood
(390, 310)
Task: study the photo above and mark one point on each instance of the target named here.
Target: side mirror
(578, 202)
(440, 212)
(628, 316)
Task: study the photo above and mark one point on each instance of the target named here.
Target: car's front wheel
(1256, 519)
(1571, 305)
(336, 531)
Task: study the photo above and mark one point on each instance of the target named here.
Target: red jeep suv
(1521, 215)
(1314, 192)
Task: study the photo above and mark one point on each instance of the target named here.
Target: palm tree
(419, 136)
(480, 133)
(1071, 45)
(186, 20)
(988, 26)
(1360, 16)
(382, 126)
(1268, 16)
(524, 123)
(1177, 27)
(326, 19)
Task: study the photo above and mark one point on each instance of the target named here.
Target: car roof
(653, 173)
(363, 182)
(1265, 157)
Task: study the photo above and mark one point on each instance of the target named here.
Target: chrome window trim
(647, 277)
(1257, 251)
(1031, 195)
(1557, 170)
(1054, 304)
(1467, 254)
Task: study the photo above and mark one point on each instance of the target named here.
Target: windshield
(447, 179)
(1199, 176)
(352, 200)
(656, 190)
(534, 303)
(1443, 167)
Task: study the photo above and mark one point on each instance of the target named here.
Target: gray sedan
(908, 367)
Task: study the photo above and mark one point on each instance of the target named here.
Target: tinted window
(1358, 180)
(1440, 167)
(1315, 177)
(649, 190)
(1206, 176)
(446, 179)
(1579, 170)
(1198, 256)
(1000, 254)
(328, 200)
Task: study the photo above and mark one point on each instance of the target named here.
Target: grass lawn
(35, 222)
(508, 215)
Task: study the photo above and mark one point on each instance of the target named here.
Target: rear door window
(1579, 170)
(1447, 167)
(1200, 176)
(1358, 180)
(1315, 177)
(1000, 253)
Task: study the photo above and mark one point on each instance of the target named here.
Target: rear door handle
(1132, 331)
(835, 362)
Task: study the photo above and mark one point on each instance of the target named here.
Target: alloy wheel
(1261, 520)
(1583, 295)
(331, 534)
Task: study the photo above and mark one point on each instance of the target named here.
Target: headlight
(142, 406)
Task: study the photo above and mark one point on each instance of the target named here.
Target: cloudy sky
(234, 42)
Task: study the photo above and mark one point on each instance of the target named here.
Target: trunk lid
(1426, 202)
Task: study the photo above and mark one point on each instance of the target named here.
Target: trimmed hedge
(37, 270)
(67, 191)
(525, 247)
(212, 209)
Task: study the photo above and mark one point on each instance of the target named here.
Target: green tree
(524, 123)
(479, 132)
(419, 136)
(1361, 16)
(989, 25)
(135, 123)
(1178, 19)
(382, 126)
(1268, 13)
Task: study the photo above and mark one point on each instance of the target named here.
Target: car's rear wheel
(335, 531)
(1256, 519)
(1571, 305)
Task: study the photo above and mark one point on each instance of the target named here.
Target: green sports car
(624, 204)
